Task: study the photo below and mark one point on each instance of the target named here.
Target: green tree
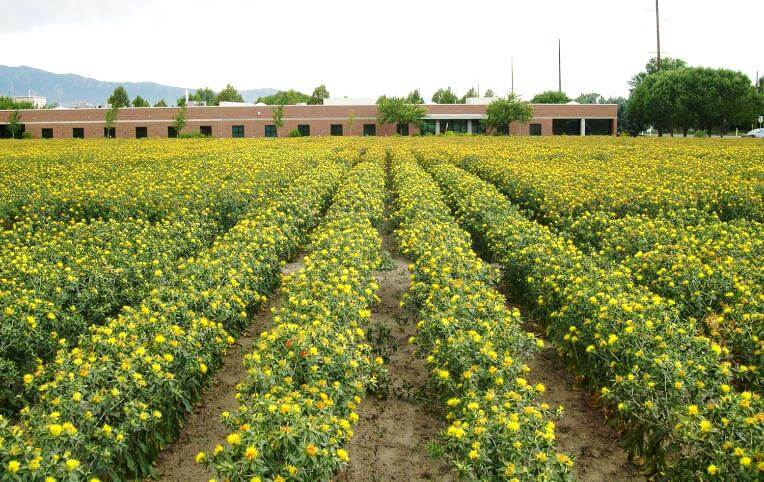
(470, 93)
(445, 96)
(285, 97)
(590, 98)
(110, 118)
(179, 121)
(396, 110)
(489, 93)
(651, 67)
(140, 102)
(14, 124)
(7, 103)
(206, 95)
(625, 124)
(319, 94)
(550, 97)
(229, 94)
(119, 98)
(278, 116)
(181, 101)
(351, 121)
(161, 103)
(503, 111)
(414, 97)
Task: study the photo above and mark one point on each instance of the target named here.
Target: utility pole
(559, 66)
(512, 69)
(658, 35)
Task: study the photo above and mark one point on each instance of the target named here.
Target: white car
(755, 133)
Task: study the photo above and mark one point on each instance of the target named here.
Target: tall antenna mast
(658, 35)
(512, 68)
(559, 65)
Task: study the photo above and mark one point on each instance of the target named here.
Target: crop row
(114, 400)
(669, 390)
(308, 373)
(473, 345)
(55, 282)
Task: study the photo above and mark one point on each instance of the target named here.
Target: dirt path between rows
(394, 429)
(582, 432)
(204, 428)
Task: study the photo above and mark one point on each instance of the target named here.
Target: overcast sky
(363, 49)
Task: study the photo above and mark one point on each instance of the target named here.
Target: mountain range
(68, 89)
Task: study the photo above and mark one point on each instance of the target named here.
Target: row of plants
(711, 269)
(668, 390)
(55, 282)
(308, 373)
(108, 405)
(474, 346)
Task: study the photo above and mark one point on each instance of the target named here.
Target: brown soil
(582, 432)
(395, 428)
(203, 428)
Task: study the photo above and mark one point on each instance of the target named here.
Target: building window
(428, 127)
(370, 130)
(47, 133)
(237, 131)
(503, 130)
(599, 127)
(566, 127)
(478, 127)
(454, 125)
(303, 129)
(336, 129)
(141, 132)
(172, 132)
(534, 129)
(78, 132)
(270, 130)
(205, 131)
(402, 129)
(110, 132)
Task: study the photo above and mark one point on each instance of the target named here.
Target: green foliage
(625, 123)
(503, 111)
(445, 96)
(489, 93)
(110, 118)
(206, 95)
(119, 98)
(550, 97)
(285, 97)
(470, 93)
(14, 124)
(140, 102)
(278, 115)
(179, 121)
(295, 133)
(396, 110)
(319, 94)
(7, 103)
(651, 67)
(414, 97)
(229, 94)
(161, 103)
(590, 98)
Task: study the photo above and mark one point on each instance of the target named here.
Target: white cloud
(370, 48)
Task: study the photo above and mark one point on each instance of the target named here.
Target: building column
(437, 126)
(583, 126)
(469, 126)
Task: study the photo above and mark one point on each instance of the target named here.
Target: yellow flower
(251, 453)
(311, 450)
(342, 455)
(203, 368)
(72, 465)
(200, 457)
(13, 466)
(711, 469)
(233, 439)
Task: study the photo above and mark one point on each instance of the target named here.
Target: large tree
(319, 94)
(179, 121)
(590, 98)
(229, 94)
(470, 93)
(285, 97)
(14, 124)
(414, 97)
(445, 96)
(140, 102)
(110, 118)
(489, 93)
(119, 98)
(161, 103)
(503, 111)
(7, 103)
(206, 95)
(396, 110)
(651, 67)
(550, 97)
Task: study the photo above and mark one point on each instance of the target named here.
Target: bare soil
(204, 428)
(582, 432)
(395, 427)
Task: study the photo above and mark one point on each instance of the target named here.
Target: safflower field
(333, 308)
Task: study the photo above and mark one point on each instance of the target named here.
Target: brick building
(315, 120)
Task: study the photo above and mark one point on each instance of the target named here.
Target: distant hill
(66, 89)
